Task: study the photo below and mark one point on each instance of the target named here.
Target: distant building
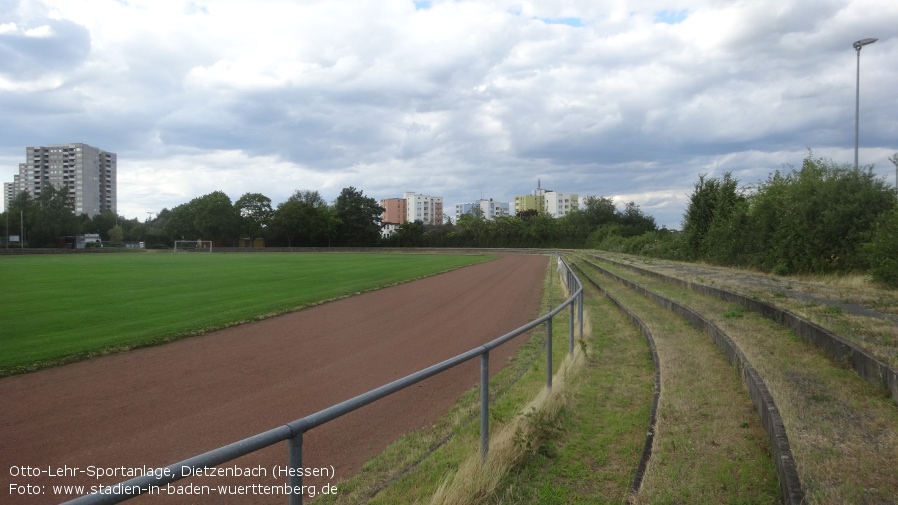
(9, 191)
(559, 204)
(546, 201)
(427, 209)
(411, 207)
(489, 209)
(465, 208)
(88, 173)
(395, 212)
(529, 202)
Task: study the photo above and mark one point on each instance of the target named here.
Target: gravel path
(153, 407)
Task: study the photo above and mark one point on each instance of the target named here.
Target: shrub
(882, 251)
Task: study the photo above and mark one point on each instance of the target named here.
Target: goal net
(193, 246)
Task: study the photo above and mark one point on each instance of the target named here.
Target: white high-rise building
(427, 209)
(87, 172)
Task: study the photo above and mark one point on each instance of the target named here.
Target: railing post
(581, 312)
(549, 353)
(484, 405)
(570, 339)
(295, 462)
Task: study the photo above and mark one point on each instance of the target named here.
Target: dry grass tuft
(510, 445)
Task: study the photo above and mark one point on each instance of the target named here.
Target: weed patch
(737, 311)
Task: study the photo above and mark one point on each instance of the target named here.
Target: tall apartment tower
(427, 209)
(87, 172)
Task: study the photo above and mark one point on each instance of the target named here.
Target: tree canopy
(254, 214)
(305, 220)
(359, 218)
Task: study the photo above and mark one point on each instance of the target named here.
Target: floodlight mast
(857, 94)
(863, 42)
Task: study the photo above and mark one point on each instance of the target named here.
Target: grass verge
(593, 457)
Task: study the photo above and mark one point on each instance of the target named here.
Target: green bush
(817, 219)
(813, 220)
(882, 251)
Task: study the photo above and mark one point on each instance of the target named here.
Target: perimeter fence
(293, 432)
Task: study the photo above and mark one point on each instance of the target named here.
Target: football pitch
(62, 308)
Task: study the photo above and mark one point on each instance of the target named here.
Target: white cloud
(43, 31)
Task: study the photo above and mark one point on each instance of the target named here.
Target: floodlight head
(863, 42)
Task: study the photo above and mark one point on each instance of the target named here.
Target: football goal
(193, 246)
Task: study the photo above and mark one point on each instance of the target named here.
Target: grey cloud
(30, 57)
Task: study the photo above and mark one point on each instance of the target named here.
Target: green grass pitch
(60, 308)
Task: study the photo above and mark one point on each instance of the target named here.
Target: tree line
(305, 219)
(354, 220)
(823, 217)
(45, 220)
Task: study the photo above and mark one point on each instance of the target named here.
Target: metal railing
(293, 431)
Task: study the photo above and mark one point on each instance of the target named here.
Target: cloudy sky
(625, 99)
